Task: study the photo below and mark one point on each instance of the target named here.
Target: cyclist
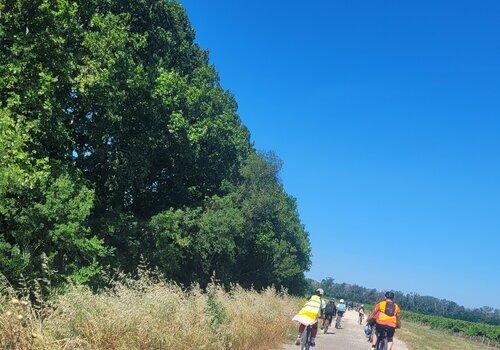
(341, 308)
(330, 311)
(387, 317)
(361, 312)
(308, 316)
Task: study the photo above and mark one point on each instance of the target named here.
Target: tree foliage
(119, 143)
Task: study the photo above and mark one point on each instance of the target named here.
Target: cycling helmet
(341, 301)
(320, 291)
(389, 295)
(362, 305)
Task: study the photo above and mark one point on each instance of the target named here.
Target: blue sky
(387, 117)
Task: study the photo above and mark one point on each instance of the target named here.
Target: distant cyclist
(387, 317)
(341, 308)
(361, 313)
(308, 316)
(330, 311)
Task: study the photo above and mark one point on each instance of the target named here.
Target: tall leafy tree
(43, 230)
(141, 149)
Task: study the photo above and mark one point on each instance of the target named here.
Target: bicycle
(382, 341)
(327, 323)
(338, 321)
(305, 343)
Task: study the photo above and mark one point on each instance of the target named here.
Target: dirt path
(350, 337)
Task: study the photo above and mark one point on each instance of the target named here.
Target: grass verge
(150, 315)
(421, 337)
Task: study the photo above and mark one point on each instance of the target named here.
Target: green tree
(43, 231)
(136, 148)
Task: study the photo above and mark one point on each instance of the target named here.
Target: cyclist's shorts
(390, 331)
(340, 313)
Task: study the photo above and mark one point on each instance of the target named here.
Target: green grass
(421, 337)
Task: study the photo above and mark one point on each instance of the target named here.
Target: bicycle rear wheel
(382, 344)
(306, 339)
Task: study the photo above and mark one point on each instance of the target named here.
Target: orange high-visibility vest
(382, 318)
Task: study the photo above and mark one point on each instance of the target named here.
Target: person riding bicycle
(361, 313)
(341, 308)
(330, 311)
(387, 317)
(308, 316)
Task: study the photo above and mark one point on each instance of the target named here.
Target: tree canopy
(119, 144)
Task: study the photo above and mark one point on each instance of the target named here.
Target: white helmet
(341, 301)
(320, 291)
(362, 305)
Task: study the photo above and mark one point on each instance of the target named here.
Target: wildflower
(19, 317)
(14, 301)
(8, 313)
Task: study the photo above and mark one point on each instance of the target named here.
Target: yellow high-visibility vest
(311, 309)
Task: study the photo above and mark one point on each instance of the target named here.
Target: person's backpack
(330, 309)
(390, 309)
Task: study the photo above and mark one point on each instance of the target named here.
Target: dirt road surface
(350, 337)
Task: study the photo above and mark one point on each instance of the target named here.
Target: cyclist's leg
(314, 332)
(299, 337)
(375, 331)
(390, 337)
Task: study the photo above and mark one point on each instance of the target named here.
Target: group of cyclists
(382, 321)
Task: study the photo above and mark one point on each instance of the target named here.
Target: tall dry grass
(143, 314)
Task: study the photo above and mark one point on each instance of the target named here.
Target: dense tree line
(409, 301)
(118, 144)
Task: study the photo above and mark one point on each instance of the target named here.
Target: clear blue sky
(387, 117)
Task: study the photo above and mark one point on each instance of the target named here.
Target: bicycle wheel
(381, 343)
(306, 339)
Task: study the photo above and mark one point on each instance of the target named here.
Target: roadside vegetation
(119, 144)
(421, 337)
(146, 314)
(480, 332)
